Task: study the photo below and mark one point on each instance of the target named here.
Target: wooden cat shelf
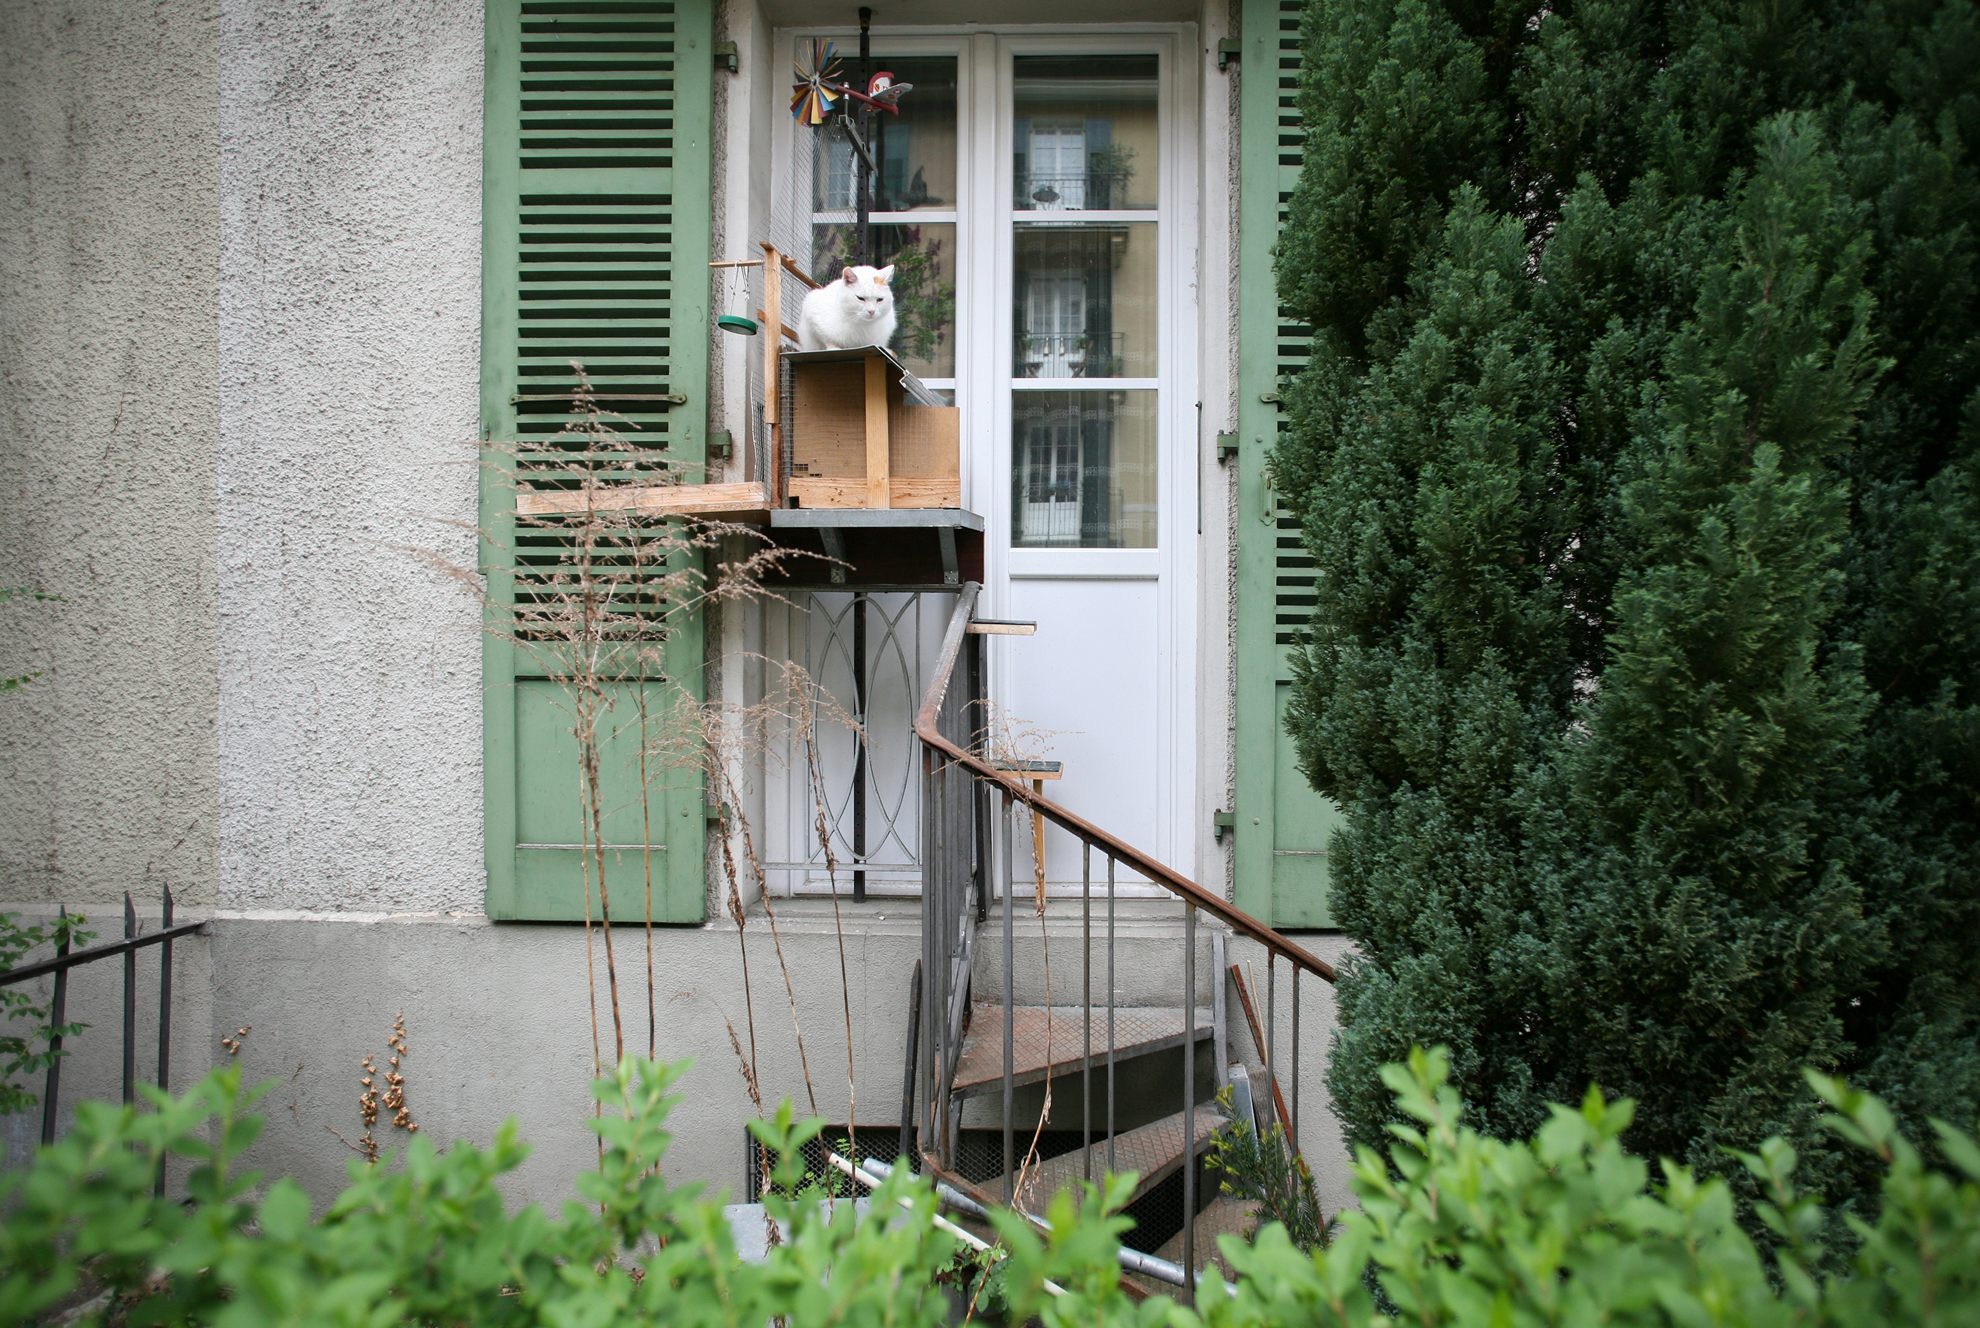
(859, 431)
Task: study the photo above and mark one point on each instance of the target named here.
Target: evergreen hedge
(1640, 452)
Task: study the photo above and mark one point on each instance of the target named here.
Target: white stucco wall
(349, 333)
(109, 240)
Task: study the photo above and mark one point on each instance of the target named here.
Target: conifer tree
(1640, 454)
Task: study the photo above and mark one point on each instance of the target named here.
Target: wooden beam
(877, 455)
(660, 499)
(811, 491)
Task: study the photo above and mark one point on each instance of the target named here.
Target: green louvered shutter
(595, 238)
(1282, 824)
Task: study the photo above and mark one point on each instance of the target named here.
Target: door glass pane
(1083, 469)
(914, 149)
(1084, 300)
(923, 256)
(1085, 133)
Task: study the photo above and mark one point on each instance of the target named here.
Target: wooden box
(861, 431)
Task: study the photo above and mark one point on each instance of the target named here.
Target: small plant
(26, 1054)
(1265, 1172)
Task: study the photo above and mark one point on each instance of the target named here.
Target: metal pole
(859, 747)
(1086, 1012)
(1189, 1099)
(1110, 1014)
(1295, 1059)
(1010, 1003)
(864, 117)
(58, 1015)
(164, 1024)
(130, 1003)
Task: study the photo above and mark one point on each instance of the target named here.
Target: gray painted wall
(109, 241)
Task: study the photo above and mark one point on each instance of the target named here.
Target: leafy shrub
(1454, 1228)
(24, 1055)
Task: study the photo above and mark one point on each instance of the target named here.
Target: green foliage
(1453, 1227)
(1640, 447)
(1264, 1172)
(24, 1055)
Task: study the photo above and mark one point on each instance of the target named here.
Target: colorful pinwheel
(815, 91)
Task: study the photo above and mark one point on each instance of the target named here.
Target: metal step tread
(1225, 1215)
(1153, 1152)
(1053, 1037)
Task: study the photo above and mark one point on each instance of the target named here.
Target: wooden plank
(878, 465)
(827, 492)
(669, 499)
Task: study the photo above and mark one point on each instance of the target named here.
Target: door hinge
(725, 56)
(1227, 446)
(1222, 824)
(1229, 49)
(721, 445)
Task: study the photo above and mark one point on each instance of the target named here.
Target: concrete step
(1225, 1215)
(1054, 1039)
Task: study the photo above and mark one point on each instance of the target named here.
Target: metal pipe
(913, 1049)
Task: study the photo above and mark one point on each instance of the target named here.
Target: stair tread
(1225, 1215)
(1054, 1037)
(1153, 1151)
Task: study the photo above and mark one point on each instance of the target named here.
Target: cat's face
(870, 294)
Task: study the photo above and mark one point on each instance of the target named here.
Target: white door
(1038, 200)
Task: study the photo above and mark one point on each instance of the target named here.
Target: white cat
(856, 310)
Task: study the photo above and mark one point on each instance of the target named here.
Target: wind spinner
(814, 93)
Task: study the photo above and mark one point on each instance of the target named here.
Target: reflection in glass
(924, 284)
(1083, 470)
(915, 150)
(1085, 300)
(1084, 132)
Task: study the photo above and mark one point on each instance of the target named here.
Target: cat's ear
(851, 275)
(884, 275)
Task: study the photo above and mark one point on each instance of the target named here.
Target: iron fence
(65, 959)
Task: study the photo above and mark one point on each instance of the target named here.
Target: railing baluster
(1110, 1014)
(1086, 1013)
(164, 1023)
(130, 1003)
(1271, 1032)
(934, 899)
(1003, 878)
(1295, 1059)
(58, 1015)
(1189, 1103)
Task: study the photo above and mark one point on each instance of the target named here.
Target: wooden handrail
(1158, 872)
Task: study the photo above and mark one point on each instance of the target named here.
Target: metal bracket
(721, 444)
(1227, 446)
(1222, 824)
(725, 56)
(835, 549)
(1229, 49)
(1269, 398)
(951, 569)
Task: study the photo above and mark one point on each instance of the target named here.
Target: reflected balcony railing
(1083, 356)
(1085, 191)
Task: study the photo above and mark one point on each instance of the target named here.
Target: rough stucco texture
(108, 249)
(349, 714)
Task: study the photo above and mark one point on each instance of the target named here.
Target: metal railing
(964, 792)
(65, 959)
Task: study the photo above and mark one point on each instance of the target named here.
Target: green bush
(1453, 1227)
(1639, 451)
